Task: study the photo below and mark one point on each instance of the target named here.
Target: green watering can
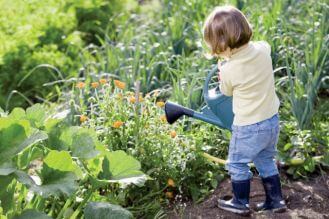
(218, 110)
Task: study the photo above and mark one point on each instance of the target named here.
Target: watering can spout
(218, 110)
(175, 111)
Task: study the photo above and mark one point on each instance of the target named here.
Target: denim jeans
(253, 143)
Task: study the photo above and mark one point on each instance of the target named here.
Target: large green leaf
(14, 138)
(54, 129)
(119, 167)
(32, 214)
(28, 155)
(7, 190)
(10, 149)
(122, 165)
(17, 114)
(36, 114)
(58, 175)
(80, 141)
(7, 168)
(104, 210)
(11, 136)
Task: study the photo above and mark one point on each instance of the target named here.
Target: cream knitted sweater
(248, 76)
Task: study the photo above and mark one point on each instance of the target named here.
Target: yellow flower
(163, 118)
(119, 95)
(119, 84)
(171, 182)
(169, 195)
(117, 124)
(173, 134)
(141, 99)
(83, 118)
(132, 99)
(80, 85)
(160, 104)
(102, 81)
(95, 85)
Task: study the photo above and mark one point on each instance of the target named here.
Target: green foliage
(100, 210)
(27, 214)
(138, 127)
(29, 166)
(304, 145)
(47, 32)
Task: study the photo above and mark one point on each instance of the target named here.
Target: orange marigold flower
(169, 195)
(160, 104)
(95, 85)
(83, 118)
(102, 81)
(173, 134)
(171, 182)
(80, 85)
(117, 124)
(119, 84)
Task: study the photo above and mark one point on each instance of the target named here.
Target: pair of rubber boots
(239, 204)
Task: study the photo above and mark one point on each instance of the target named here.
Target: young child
(247, 75)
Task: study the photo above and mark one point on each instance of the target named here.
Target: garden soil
(304, 198)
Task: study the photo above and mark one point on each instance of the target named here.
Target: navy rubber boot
(239, 204)
(274, 200)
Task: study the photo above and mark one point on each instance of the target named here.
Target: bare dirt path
(304, 198)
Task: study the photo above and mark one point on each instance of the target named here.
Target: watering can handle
(207, 81)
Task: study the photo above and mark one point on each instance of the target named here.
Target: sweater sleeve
(225, 84)
(266, 47)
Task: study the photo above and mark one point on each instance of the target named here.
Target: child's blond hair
(226, 27)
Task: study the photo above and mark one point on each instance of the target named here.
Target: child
(247, 75)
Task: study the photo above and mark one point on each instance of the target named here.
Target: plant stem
(77, 211)
(66, 205)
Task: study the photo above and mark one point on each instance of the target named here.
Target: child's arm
(224, 84)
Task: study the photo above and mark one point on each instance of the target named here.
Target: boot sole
(279, 210)
(275, 210)
(236, 211)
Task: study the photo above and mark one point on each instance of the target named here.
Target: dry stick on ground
(292, 162)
